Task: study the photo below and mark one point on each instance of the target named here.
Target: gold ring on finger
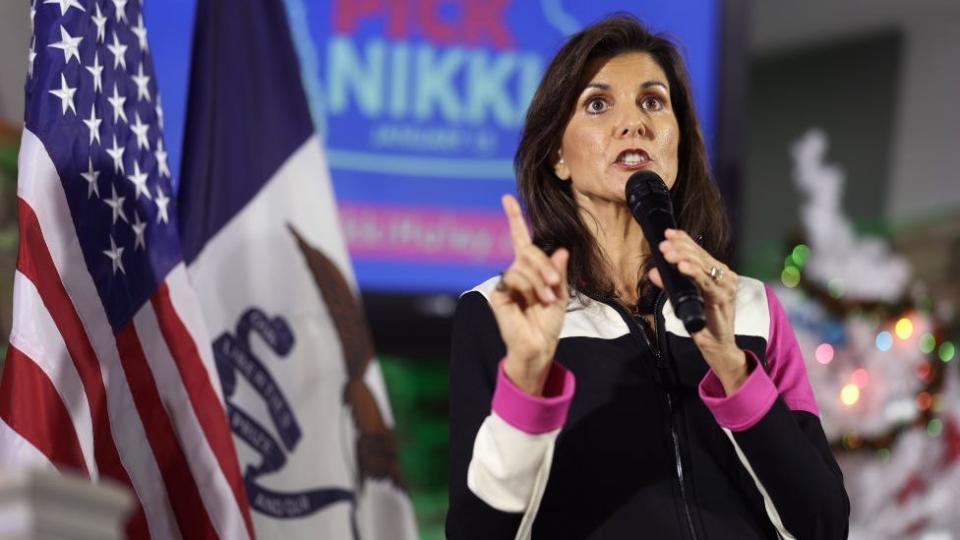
(716, 273)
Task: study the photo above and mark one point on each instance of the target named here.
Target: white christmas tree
(913, 493)
(878, 361)
(864, 267)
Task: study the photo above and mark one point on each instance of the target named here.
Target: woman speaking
(580, 406)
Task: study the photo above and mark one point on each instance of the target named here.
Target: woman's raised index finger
(518, 227)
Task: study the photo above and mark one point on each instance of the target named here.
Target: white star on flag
(93, 123)
(65, 93)
(101, 22)
(65, 5)
(138, 229)
(162, 202)
(69, 45)
(31, 55)
(116, 204)
(140, 130)
(97, 71)
(141, 32)
(139, 181)
(119, 51)
(117, 103)
(161, 155)
(116, 152)
(159, 113)
(115, 253)
(91, 177)
(121, 6)
(141, 81)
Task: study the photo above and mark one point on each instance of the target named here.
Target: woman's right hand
(529, 304)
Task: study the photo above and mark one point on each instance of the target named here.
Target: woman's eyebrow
(648, 84)
(645, 85)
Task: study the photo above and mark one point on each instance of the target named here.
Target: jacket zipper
(676, 455)
(661, 300)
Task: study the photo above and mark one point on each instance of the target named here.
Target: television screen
(420, 104)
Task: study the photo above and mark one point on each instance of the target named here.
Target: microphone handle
(683, 293)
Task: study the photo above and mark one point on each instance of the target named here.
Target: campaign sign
(420, 104)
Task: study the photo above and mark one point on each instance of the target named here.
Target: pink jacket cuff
(745, 407)
(533, 414)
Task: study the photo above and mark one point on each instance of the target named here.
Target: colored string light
(860, 377)
(904, 328)
(884, 341)
(851, 440)
(850, 394)
(800, 254)
(947, 351)
(790, 277)
(924, 370)
(835, 287)
(823, 353)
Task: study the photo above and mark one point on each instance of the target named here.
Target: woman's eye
(596, 105)
(652, 103)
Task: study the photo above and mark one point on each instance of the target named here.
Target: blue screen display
(420, 104)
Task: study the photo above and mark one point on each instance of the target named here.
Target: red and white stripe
(38, 343)
(142, 406)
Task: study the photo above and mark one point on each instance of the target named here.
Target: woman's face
(623, 122)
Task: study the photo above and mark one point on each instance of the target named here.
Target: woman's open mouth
(633, 159)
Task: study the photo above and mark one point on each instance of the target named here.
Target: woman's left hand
(716, 340)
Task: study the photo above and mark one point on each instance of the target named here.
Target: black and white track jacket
(638, 440)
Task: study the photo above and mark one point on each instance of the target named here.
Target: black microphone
(649, 201)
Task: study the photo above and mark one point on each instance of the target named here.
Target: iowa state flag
(304, 394)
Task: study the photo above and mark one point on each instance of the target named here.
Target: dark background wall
(848, 89)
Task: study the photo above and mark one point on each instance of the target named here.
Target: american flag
(109, 371)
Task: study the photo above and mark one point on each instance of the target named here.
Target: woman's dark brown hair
(549, 201)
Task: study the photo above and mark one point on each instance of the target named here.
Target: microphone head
(646, 186)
